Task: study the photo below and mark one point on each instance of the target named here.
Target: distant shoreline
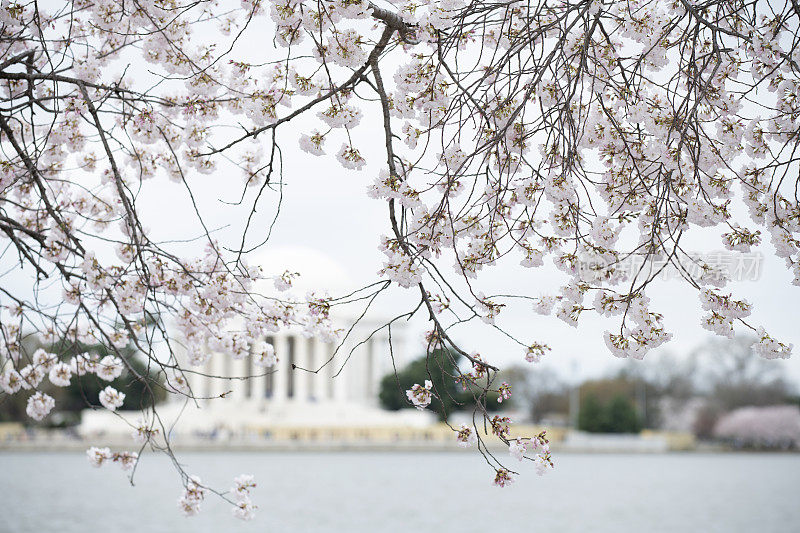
(80, 446)
(435, 438)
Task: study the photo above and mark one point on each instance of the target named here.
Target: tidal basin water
(385, 491)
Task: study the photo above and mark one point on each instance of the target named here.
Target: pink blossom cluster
(421, 395)
(503, 477)
(193, 495)
(504, 392)
(466, 436)
(501, 425)
(723, 312)
(100, 456)
(27, 374)
(519, 447)
(244, 508)
(769, 348)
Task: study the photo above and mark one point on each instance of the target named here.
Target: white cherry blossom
(111, 398)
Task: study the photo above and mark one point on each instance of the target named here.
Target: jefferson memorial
(312, 386)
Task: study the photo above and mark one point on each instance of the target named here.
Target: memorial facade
(308, 370)
(314, 384)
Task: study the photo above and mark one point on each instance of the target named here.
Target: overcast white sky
(329, 231)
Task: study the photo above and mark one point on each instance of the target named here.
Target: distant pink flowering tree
(773, 427)
(593, 134)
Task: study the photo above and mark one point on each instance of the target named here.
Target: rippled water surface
(436, 492)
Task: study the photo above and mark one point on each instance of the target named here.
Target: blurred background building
(315, 384)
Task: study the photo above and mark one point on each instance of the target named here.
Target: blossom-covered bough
(593, 134)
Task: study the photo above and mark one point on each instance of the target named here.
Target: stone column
(341, 382)
(383, 362)
(311, 377)
(357, 372)
(320, 379)
(302, 360)
(281, 376)
(206, 383)
(239, 370)
(197, 382)
(330, 370)
(370, 369)
(258, 383)
(216, 369)
(398, 347)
